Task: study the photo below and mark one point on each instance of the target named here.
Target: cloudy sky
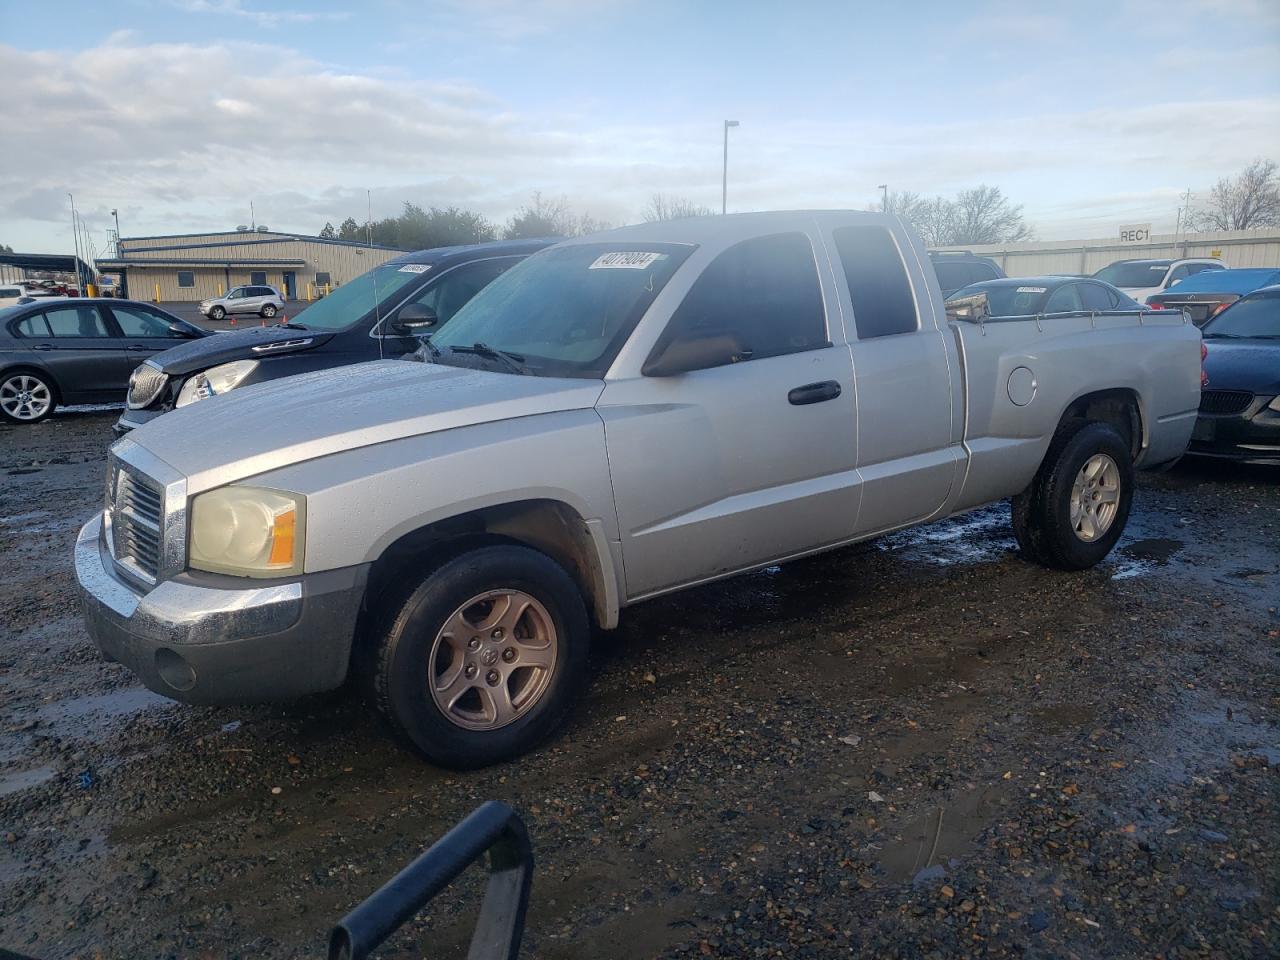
(181, 112)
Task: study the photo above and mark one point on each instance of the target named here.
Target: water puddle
(1141, 557)
(17, 780)
(943, 834)
(977, 537)
(68, 717)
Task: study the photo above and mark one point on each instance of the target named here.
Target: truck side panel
(1021, 376)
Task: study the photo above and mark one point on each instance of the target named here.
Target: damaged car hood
(275, 424)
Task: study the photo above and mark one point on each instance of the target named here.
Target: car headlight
(214, 381)
(248, 532)
(1274, 404)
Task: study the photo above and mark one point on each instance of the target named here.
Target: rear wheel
(26, 396)
(1075, 509)
(481, 659)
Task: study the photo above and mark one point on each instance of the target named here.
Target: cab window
(763, 291)
(1065, 299)
(879, 290)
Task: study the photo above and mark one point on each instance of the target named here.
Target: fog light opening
(175, 671)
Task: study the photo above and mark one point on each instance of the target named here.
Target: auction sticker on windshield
(626, 260)
(415, 268)
(1032, 289)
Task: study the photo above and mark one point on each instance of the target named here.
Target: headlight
(214, 381)
(248, 532)
(1274, 404)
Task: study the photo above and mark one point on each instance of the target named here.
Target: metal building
(195, 266)
(1235, 248)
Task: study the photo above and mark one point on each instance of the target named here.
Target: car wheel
(217, 313)
(481, 659)
(269, 310)
(1075, 509)
(26, 396)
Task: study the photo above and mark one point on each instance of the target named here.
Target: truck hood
(1252, 365)
(219, 348)
(282, 422)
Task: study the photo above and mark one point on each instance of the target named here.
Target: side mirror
(179, 330)
(414, 318)
(971, 309)
(683, 355)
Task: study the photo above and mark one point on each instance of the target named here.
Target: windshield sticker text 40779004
(625, 260)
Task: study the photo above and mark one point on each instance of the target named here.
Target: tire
(411, 650)
(1076, 508)
(217, 313)
(27, 396)
(268, 310)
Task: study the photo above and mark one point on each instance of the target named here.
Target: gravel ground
(919, 747)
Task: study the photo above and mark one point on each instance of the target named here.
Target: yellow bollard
(326, 289)
(157, 300)
(219, 290)
(308, 291)
(90, 290)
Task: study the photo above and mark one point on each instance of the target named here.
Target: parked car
(15, 293)
(616, 417)
(57, 351)
(378, 315)
(1207, 294)
(959, 268)
(262, 301)
(1240, 404)
(1141, 278)
(1027, 296)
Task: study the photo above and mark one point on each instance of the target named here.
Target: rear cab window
(879, 289)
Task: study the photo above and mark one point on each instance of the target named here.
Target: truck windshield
(1255, 317)
(564, 312)
(359, 297)
(1139, 273)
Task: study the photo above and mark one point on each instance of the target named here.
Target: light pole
(884, 200)
(75, 233)
(724, 178)
(116, 215)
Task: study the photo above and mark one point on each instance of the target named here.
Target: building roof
(65, 263)
(241, 237)
(208, 262)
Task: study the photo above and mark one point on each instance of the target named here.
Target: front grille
(137, 512)
(145, 385)
(1225, 402)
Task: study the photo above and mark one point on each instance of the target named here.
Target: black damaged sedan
(380, 314)
(1240, 404)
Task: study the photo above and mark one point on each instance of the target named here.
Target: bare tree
(542, 218)
(985, 215)
(662, 207)
(1250, 200)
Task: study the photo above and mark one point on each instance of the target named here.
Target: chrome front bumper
(211, 639)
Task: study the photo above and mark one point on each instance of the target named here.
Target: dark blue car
(1240, 404)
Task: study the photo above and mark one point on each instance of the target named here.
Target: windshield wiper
(513, 361)
(1223, 336)
(290, 325)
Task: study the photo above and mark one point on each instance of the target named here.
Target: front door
(144, 332)
(721, 469)
(290, 281)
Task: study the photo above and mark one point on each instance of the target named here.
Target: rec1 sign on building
(1135, 233)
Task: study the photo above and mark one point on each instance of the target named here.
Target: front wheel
(26, 397)
(480, 660)
(1075, 509)
(217, 313)
(269, 310)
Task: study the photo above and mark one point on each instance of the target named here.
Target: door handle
(137, 346)
(43, 346)
(814, 393)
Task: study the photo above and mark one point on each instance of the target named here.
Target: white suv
(264, 301)
(1141, 278)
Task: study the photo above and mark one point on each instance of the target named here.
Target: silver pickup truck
(617, 417)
